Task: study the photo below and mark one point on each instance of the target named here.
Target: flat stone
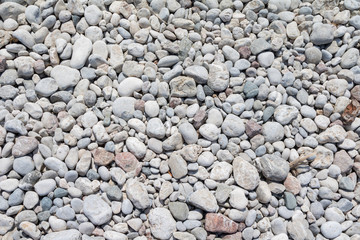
(129, 85)
(273, 132)
(24, 145)
(44, 187)
(198, 73)
(204, 200)
(137, 194)
(337, 87)
(24, 37)
(123, 107)
(322, 34)
(97, 210)
(81, 51)
(183, 87)
(127, 161)
(274, 167)
(179, 210)
(259, 45)
(343, 161)
(162, 224)
(284, 114)
(218, 223)
(71, 234)
(334, 134)
(6, 224)
(218, 77)
(65, 77)
(102, 157)
(245, 174)
(331, 229)
(177, 165)
(233, 126)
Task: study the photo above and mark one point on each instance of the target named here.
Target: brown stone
(140, 105)
(235, 236)
(102, 157)
(127, 161)
(216, 222)
(174, 101)
(292, 184)
(355, 92)
(24, 145)
(245, 52)
(252, 128)
(352, 110)
(343, 161)
(199, 118)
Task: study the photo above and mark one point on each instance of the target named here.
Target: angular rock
(218, 77)
(162, 224)
(274, 167)
(218, 223)
(24, 145)
(204, 200)
(178, 165)
(183, 87)
(137, 194)
(127, 161)
(334, 134)
(65, 77)
(245, 174)
(102, 157)
(97, 210)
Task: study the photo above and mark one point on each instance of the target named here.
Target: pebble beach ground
(179, 119)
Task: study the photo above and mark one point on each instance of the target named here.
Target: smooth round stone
(23, 165)
(126, 207)
(313, 55)
(129, 85)
(31, 199)
(16, 198)
(331, 229)
(44, 187)
(92, 15)
(266, 59)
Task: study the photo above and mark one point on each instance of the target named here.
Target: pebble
(97, 210)
(184, 123)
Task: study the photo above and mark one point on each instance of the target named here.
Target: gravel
(179, 119)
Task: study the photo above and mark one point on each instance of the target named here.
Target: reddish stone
(351, 110)
(252, 128)
(216, 222)
(174, 102)
(320, 68)
(199, 118)
(343, 161)
(102, 157)
(235, 236)
(127, 161)
(140, 105)
(245, 52)
(255, 64)
(292, 184)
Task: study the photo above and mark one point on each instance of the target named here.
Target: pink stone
(292, 184)
(102, 157)
(127, 161)
(216, 222)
